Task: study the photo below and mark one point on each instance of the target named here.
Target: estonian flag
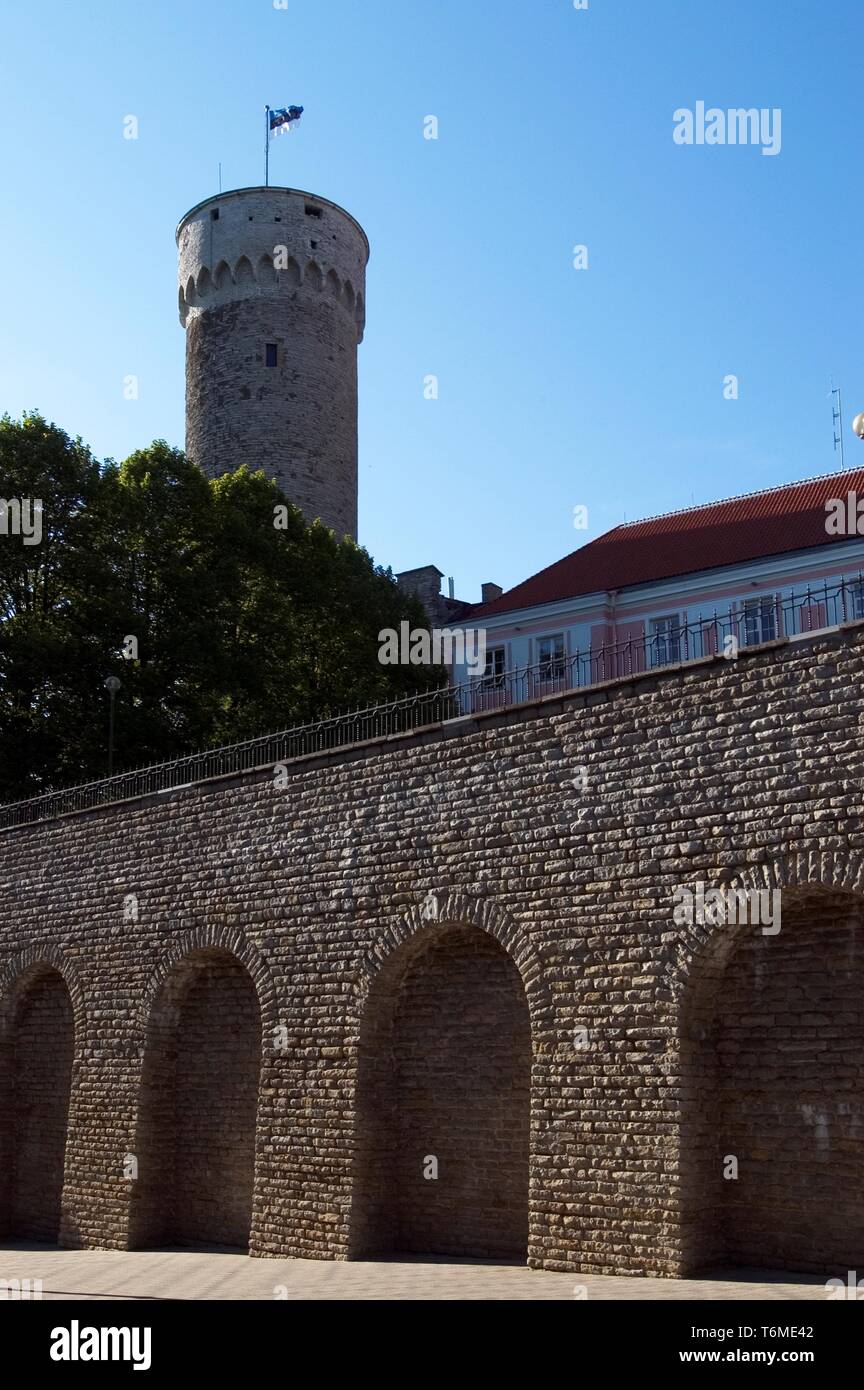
(282, 120)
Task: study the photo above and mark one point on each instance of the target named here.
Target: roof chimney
(490, 591)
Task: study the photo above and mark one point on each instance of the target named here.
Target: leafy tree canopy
(241, 625)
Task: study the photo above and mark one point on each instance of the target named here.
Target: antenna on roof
(837, 420)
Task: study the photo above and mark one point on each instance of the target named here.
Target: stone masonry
(258, 1012)
(272, 286)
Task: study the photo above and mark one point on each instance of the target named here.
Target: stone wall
(406, 913)
(443, 1102)
(780, 1063)
(36, 1077)
(195, 1138)
(275, 266)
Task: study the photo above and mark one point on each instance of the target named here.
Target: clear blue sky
(557, 387)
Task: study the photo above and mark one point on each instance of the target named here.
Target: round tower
(272, 297)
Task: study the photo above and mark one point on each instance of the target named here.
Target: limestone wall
(277, 267)
(388, 905)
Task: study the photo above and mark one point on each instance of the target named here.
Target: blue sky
(600, 387)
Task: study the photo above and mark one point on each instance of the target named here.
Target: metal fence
(672, 641)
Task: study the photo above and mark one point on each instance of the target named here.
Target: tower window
(271, 357)
(312, 212)
(214, 214)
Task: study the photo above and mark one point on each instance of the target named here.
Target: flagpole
(267, 147)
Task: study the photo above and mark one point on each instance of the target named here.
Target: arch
(334, 286)
(445, 906)
(243, 273)
(191, 291)
(38, 1054)
(196, 1132)
(771, 1036)
(219, 936)
(314, 276)
(181, 306)
(204, 284)
(266, 273)
(360, 314)
(223, 277)
(443, 1096)
(289, 274)
(47, 955)
(844, 872)
(349, 296)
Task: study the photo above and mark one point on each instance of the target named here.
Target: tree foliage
(242, 625)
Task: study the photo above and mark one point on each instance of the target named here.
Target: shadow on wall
(772, 1048)
(35, 1086)
(443, 1101)
(195, 1143)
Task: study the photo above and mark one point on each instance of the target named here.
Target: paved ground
(110, 1274)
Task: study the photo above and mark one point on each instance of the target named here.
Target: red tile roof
(773, 522)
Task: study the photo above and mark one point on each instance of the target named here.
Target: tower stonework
(272, 290)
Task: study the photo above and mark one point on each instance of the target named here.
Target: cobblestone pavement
(194, 1274)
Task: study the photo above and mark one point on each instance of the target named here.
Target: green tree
(239, 617)
(50, 642)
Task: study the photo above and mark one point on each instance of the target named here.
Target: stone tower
(272, 297)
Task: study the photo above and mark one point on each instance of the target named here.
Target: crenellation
(277, 267)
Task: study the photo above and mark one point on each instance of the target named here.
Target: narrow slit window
(271, 355)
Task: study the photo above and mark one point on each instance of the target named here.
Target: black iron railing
(672, 641)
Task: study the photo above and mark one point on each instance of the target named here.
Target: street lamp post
(112, 685)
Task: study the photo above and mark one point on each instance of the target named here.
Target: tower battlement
(272, 287)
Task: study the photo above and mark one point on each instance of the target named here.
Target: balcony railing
(762, 619)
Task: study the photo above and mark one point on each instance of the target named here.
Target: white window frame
(666, 639)
(493, 675)
(555, 665)
(760, 613)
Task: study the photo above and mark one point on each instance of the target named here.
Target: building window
(666, 640)
(272, 355)
(856, 599)
(493, 676)
(312, 211)
(551, 657)
(214, 214)
(760, 620)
